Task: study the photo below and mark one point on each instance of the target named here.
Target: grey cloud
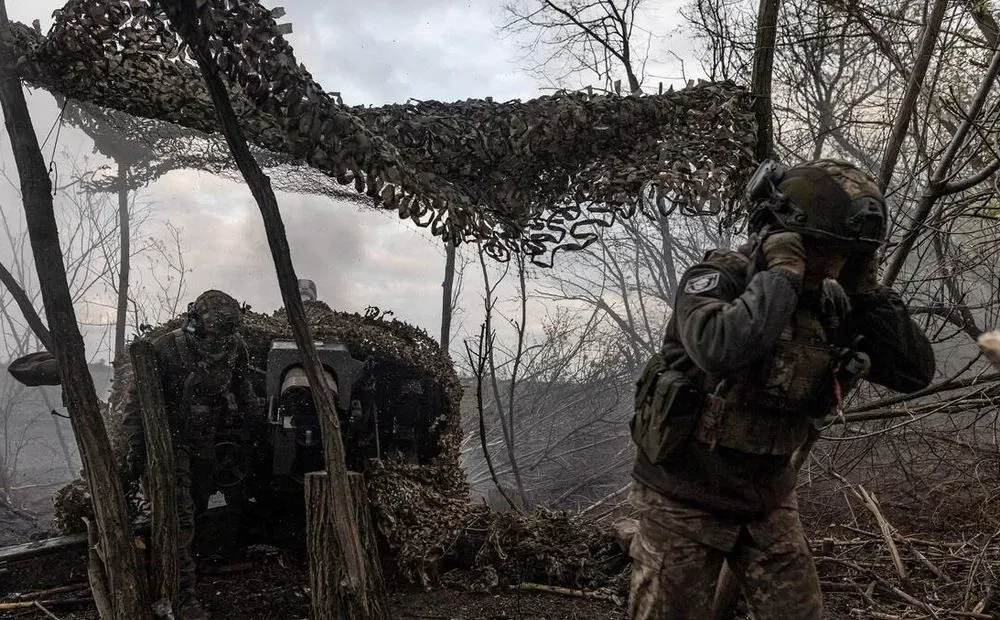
(391, 51)
(356, 257)
(227, 246)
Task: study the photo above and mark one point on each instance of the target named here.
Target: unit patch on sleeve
(702, 284)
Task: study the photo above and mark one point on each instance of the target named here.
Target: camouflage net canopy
(531, 177)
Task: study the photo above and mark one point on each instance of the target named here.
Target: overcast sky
(373, 52)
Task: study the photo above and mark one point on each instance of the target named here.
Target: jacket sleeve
(724, 326)
(901, 354)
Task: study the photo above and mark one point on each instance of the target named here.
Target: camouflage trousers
(193, 479)
(678, 552)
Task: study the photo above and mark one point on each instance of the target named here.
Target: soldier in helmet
(763, 343)
(205, 377)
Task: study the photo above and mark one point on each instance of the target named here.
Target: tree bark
(327, 601)
(160, 476)
(124, 261)
(355, 588)
(760, 83)
(126, 586)
(447, 287)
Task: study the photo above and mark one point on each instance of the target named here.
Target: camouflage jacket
(187, 378)
(725, 322)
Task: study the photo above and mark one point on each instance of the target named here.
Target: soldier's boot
(190, 608)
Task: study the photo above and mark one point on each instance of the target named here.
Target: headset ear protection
(762, 193)
(192, 321)
(763, 183)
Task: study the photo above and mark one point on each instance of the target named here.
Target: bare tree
(550, 402)
(570, 37)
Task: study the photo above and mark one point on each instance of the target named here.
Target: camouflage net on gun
(532, 177)
(386, 341)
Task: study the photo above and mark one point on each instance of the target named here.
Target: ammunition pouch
(667, 407)
(798, 379)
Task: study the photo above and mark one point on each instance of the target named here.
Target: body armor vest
(769, 408)
(206, 396)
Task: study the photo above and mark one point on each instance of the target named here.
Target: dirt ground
(250, 580)
(265, 583)
(266, 578)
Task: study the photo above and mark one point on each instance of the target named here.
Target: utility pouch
(667, 406)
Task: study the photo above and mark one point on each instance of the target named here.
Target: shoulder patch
(702, 284)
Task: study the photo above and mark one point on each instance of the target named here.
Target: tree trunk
(447, 287)
(124, 261)
(27, 309)
(324, 577)
(126, 586)
(760, 86)
(913, 88)
(160, 476)
(355, 588)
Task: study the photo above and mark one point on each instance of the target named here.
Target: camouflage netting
(429, 524)
(528, 177)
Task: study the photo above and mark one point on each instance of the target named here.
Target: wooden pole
(327, 603)
(160, 479)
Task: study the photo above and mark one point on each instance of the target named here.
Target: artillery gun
(397, 398)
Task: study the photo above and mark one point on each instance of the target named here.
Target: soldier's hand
(860, 273)
(784, 250)
(834, 303)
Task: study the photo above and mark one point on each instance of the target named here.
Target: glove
(834, 303)
(860, 274)
(135, 462)
(784, 250)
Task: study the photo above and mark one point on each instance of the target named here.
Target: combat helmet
(214, 313)
(826, 199)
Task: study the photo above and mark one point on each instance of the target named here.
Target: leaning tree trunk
(359, 595)
(928, 39)
(126, 584)
(324, 577)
